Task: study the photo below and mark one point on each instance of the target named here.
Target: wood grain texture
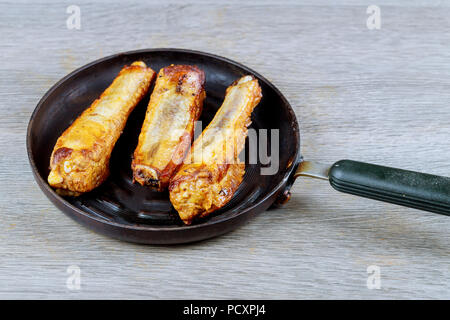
(379, 96)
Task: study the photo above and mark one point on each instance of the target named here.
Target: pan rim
(150, 228)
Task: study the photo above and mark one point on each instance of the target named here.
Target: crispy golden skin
(212, 172)
(80, 158)
(166, 135)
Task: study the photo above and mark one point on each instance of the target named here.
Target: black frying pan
(130, 212)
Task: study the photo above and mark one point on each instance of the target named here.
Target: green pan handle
(407, 188)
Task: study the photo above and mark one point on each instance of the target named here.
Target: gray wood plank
(380, 96)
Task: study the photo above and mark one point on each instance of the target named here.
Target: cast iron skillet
(130, 212)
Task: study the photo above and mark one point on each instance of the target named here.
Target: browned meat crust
(166, 135)
(212, 173)
(80, 158)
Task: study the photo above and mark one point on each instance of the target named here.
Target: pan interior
(118, 199)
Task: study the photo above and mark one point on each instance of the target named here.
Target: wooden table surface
(379, 96)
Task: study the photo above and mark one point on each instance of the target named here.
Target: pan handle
(407, 188)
